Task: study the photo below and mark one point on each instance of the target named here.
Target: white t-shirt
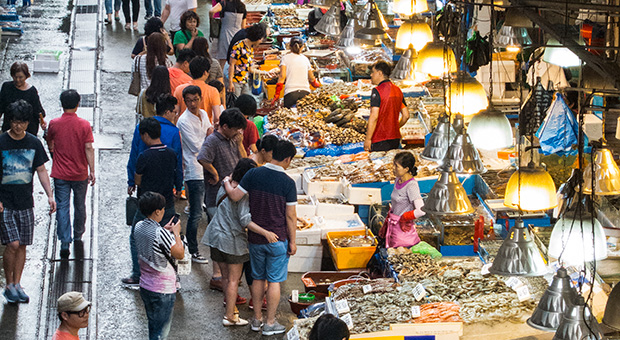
(193, 133)
(177, 7)
(297, 67)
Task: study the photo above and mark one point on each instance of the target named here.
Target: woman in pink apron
(399, 228)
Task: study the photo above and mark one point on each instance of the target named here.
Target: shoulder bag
(134, 87)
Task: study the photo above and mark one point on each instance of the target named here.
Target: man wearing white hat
(73, 312)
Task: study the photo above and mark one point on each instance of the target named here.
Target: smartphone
(175, 218)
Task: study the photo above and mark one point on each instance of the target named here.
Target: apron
(394, 236)
(231, 24)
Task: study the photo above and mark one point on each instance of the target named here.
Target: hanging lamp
(462, 156)
(612, 309)
(409, 7)
(467, 96)
(347, 36)
(572, 238)
(439, 141)
(606, 174)
(556, 300)
(558, 55)
(490, 130)
(447, 196)
(405, 67)
(375, 26)
(330, 22)
(416, 33)
(436, 59)
(512, 38)
(519, 255)
(530, 188)
(579, 323)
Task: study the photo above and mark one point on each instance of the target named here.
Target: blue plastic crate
(463, 250)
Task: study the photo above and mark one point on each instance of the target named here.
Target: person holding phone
(156, 248)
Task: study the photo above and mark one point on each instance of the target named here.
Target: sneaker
(130, 282)
(198, 258)
(10, 294)
(64, 250)
(23, 297)
(256, 324)
(216, 284)
(147, 17)
(183, 196)
(186, 210)
(239, 322)
(276, 328)
(264, 307)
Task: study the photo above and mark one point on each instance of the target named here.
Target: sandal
(135, 26)
(127, 26)
(239, 322)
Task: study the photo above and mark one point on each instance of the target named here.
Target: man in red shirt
(70, 138)
(386, 104)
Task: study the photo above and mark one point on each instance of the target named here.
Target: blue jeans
(135, 265)
(62, 191)
(159, 312)
(148, 7)
(195, 195)
(108, 6)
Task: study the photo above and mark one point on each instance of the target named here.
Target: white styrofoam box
(362, 196)
(306, 210)
(295, 174)
(316, 187)
(499, 88)
(503, 71)
(47, 66)
(347, 222)
(325, 209)
(308, 236)
(307, 258)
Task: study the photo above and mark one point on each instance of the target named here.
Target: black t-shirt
(240, 35)
(234, 6)
(19, 160)
(157, 165)
(9, 94)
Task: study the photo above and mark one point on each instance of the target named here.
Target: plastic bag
(231, 98)
(425, 248)
(559, 131)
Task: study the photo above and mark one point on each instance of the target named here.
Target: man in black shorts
(21, 154)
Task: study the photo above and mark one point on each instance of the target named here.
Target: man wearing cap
(73, 312)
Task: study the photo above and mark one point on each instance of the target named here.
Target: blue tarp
(336, 150)
(559, 131)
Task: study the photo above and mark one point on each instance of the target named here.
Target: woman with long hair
(296, 75)
(155, 55)
(233, 15)
(160, 84)
(151, 26)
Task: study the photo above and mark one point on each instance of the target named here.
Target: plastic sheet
(559, 131)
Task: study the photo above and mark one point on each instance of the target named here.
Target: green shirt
(183, 37)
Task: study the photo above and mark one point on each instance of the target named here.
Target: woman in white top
(296, 75)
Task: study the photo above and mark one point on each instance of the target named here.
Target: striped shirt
(156, 273)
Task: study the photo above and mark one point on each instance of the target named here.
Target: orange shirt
(177, 77)
(60, 335)
(210, 97)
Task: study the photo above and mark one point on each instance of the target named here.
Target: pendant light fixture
(414, 32)
(439, 141)
(606, 174)
(572, 238)
(375, 26)
(409, 7)
(512, 38)
(579, 323)
(519, 255)
(347, 36)
(490, 130)
(466, 95)
(330, 22)
(556, 300)
(436, 59)
(530, 188)
(447, 196)
(558, 55)
(462, 156)
(612, 309)
(405, 67)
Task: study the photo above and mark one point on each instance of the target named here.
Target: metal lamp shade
(448, 197)
(512, 38)
(436, 59)
(560, 56)
(519, 255)
(606, 174)
(515, 18)
(347, 36)
(462, 156)
(405, 68)
(534, 191)
(612, 309)
(467, 96)
(410, 7)
(375, 27)
(413, 33)
(439, 141)
(330, 22)
(574, 326)
(556, 300)
(490, 130)
(574, 233)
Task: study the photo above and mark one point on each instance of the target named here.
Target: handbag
(131, 206)
(215, 26)
(134, 87)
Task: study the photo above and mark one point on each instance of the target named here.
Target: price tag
(419, 292)
(311, 174)
(342, 306)
(513, 282)
(523, 293)
(485, 269)
(308, 281)
(366, 289)
(293, 334)
(415, 312)
(348, 320)
(295, 295)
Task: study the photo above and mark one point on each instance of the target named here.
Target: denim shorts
(269, 261)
